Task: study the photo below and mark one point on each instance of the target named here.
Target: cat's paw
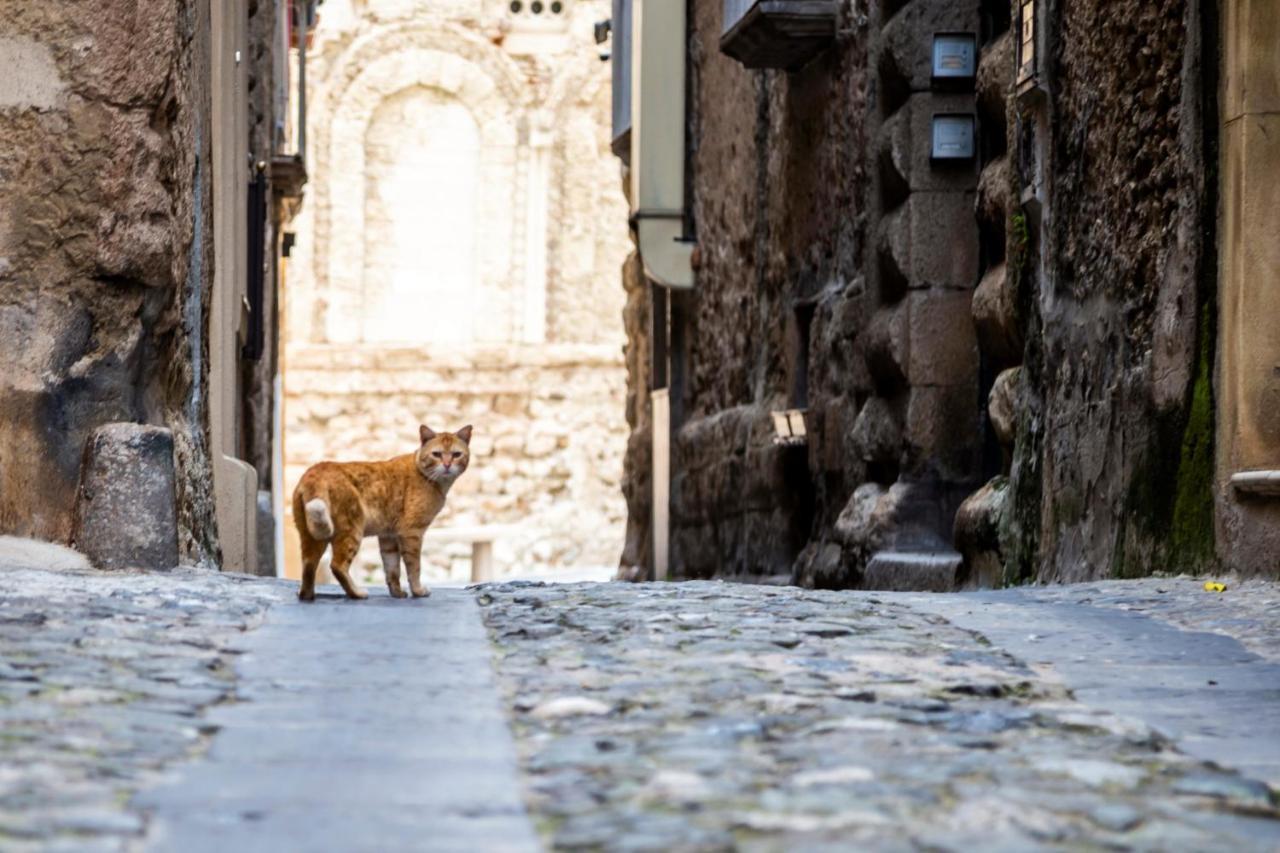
(306, 595)
(358, 594)
(397, 593)
(421, 592)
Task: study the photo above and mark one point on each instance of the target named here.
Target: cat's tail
(319, 522)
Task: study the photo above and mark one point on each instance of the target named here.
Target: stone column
(534, 327)
(1248, 423)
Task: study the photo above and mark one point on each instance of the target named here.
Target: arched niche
(422, 156)
(341, 240)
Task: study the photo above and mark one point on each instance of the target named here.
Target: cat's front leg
(411, 551)
(389, 546)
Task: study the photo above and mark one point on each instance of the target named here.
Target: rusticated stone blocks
(125, 510)
(933, 240)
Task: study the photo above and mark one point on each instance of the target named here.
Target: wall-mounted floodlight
(954, 60)
(953, 137)
(788, 427)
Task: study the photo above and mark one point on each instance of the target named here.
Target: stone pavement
(199, 711)
(103, 678)
(371, 726)
(707, 716)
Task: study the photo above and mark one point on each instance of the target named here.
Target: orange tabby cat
(395, 500)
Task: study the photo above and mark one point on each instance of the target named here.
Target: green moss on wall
(1192, 542)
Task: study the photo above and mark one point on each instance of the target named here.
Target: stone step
(913, 571)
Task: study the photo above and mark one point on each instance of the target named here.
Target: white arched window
(422, 152)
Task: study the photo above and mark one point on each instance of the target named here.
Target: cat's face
(443, 456)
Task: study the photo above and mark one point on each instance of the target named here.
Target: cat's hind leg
(389, 546)
(312, 551)
(411, 551)
(345, 547)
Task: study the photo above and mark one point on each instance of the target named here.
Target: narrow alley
(824, 425)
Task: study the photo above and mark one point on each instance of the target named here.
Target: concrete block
(943, 344)
(125, 507)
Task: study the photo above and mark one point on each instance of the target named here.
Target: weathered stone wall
(779, 181)
(457, 263)
(1043, 323)
(105, 248)
(546, 460)
(1113, 461)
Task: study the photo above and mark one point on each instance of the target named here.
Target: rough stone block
(995, 317)
(1002, 405)
(906, 138)
(932, 240)
(266, 530)
(855, 525)
(886, 348)
(995, 75)
(943, 347)
(913, 571)
(995, 193)
(977, 534)
(876, 433)
(942, 430)
(125, 509)
(907, 36)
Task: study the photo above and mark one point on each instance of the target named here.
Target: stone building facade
(136, 285)
(1019, 305)
(456, 262)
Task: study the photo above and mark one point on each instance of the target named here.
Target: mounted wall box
(953, 137)
(788, 427)
(955, 61)
(777, 33)
(657, 118)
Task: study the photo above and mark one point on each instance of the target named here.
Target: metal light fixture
(1027, 66)
(788, 427)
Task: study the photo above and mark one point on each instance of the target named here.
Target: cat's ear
(426, 433)
(464, 433)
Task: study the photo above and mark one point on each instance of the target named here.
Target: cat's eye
(437, 454)
(457, 453)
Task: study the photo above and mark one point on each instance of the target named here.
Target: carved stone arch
(372, 70)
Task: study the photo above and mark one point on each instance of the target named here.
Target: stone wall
(457, 263)
(1042, 323)
(546, 452)
(105, 248)
(1113, 461)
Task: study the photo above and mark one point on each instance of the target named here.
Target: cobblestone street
(103, 681)
(708, 716)
(197, 710)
